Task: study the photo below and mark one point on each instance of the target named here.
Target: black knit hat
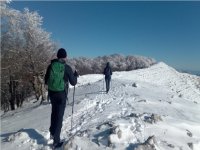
(61, 53)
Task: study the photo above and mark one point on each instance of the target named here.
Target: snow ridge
(146, 109)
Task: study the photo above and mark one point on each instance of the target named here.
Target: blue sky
(166, 31)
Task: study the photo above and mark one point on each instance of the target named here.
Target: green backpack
(56, 80)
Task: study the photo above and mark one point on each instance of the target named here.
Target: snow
(156, 101)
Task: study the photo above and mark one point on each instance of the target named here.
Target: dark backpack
(107, 71)
(56, 80)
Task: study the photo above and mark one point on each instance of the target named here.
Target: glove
(76, 74)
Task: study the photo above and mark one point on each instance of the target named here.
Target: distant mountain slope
(164, 75)
(190, 72)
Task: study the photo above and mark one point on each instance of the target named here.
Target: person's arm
(110, 71)
(46, 78)
(70, 75)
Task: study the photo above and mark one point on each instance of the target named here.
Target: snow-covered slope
(152, 108)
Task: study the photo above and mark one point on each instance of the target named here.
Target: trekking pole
(110, 83)
(103, 83)
(72, 109)
(68, 90)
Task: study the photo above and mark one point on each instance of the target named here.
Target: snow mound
(154, 118)
(80, 143)
(20, 135)
(121, 133)
(26, 138)
(149, 144)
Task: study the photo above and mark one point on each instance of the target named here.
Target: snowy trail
(121, 119)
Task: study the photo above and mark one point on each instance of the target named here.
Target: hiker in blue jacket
(57, 78)
(107, 72)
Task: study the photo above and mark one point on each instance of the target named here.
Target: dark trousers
(58, 102)
(107, 80)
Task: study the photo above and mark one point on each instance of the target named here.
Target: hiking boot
(57, 145)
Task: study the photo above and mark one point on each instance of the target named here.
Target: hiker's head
(62, 54)
(108, 64)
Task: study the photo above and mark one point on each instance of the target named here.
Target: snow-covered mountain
(153, 108)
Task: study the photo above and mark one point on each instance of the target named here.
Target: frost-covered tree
(37, 43)
(117, 61)
(25, 49)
